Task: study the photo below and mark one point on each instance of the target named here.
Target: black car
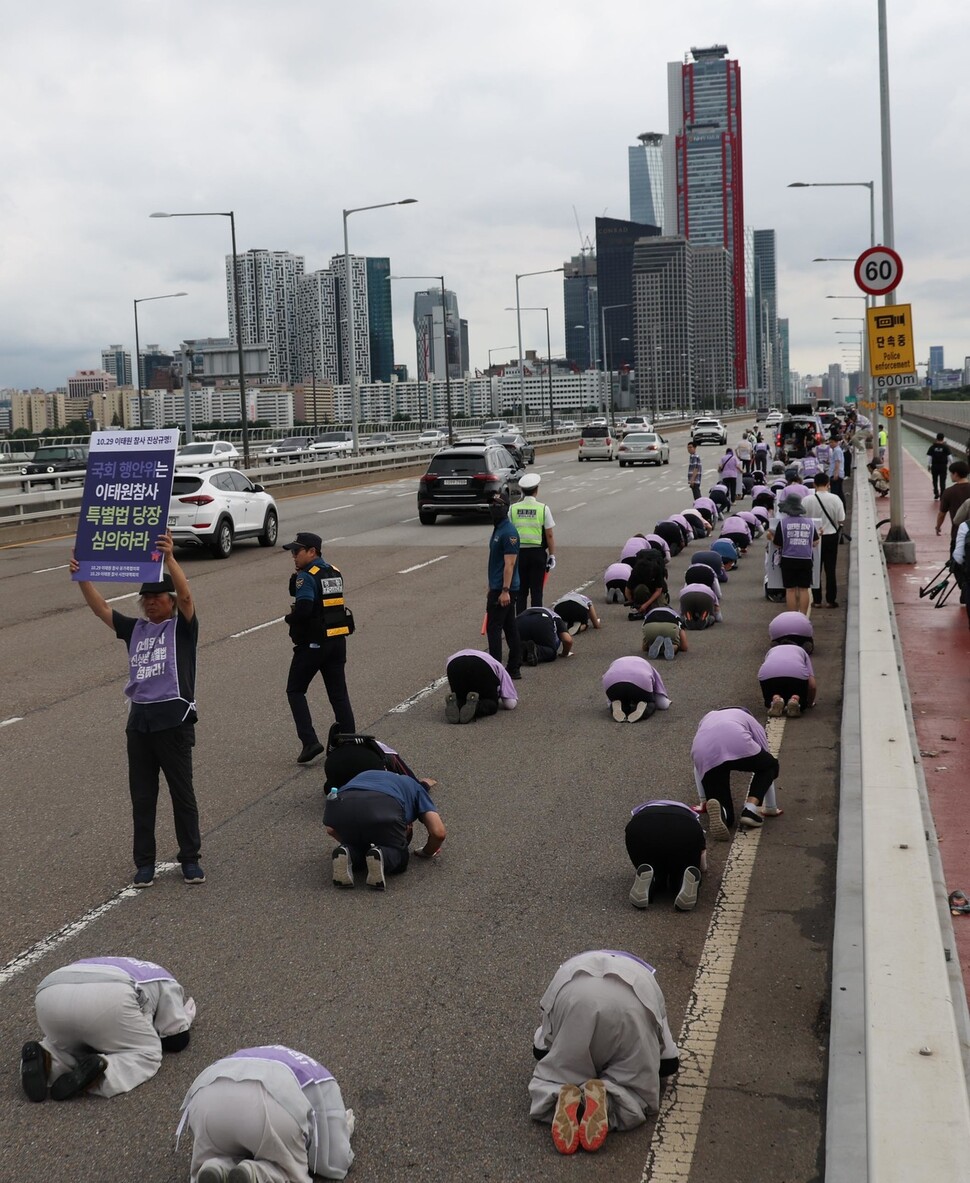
(53, 459)
(462, 480)
(518, 445)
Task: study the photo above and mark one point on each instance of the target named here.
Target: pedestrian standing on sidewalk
(952, 498)
(939, 454)
(829, 513)
(160, 732)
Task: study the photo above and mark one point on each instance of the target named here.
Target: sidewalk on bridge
(936, 654)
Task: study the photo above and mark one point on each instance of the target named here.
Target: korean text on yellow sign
(891, 349)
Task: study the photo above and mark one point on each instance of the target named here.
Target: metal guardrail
(898, 1104)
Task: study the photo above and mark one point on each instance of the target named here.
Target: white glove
(551, 563)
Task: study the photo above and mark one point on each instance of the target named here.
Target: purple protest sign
(125, 505)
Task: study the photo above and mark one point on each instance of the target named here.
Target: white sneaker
(640, 891)
(637, 713)
(777, 707)
(212, 1172)
(243, 1172)
(687, 896)
(619, 714)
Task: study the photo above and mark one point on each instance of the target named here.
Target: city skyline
(79, 245)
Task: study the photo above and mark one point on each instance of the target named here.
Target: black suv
(53, 459)
(462, 480)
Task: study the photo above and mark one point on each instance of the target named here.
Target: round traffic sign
(878, 270)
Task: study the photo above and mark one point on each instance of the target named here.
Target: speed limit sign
(878, 270)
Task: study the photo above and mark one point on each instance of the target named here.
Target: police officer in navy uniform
(319, 626)
(534, 524)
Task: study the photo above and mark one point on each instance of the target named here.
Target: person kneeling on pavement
(603, 1046)
(478, 685)
(634, 689)
(615, 579)
(543, 634)
(106, 1023)
(726, 741)
(667, 846)
(699, 608)
(349, 754)
(787, 681)
(577, 611)
(267, 1114)
(663, 634)
(792, 628)
(371, 819)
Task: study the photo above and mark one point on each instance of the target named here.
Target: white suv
(708, 431)
(218, 507)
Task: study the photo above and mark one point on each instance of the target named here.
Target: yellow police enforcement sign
(891, 349)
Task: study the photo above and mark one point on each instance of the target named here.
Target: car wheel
(271, 529)
(222, 544)
(427, 517)
(667, 461)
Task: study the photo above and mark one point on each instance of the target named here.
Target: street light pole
(144, 300)
(230, 214)
(349, 290)
(518, 319)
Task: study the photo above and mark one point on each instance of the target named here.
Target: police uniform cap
(305, 541)
(529, 482)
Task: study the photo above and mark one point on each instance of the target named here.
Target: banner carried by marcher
(125, 505)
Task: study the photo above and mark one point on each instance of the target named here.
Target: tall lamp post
(349, 288)
(541, 308)
(518, 320)
(606, 353)
(235, 295)
(144, 300)
(444, 334)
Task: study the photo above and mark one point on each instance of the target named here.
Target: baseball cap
(164, 586)
(304, 541)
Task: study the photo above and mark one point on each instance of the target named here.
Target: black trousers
(786, 687)
(363, 818)
(468, 673)
(717, 782)
(532, 574)
(695, 490)
(669, 839)
(168, 751)
(939, 481)
(329, 662)
(499, 620)
(829, 547)
(835, 486)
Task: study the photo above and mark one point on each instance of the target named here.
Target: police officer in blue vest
(319, 627)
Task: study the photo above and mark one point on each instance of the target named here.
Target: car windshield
(331, 437)
(295, 441)
(196, 450)
(454, 464)
(642, 437)
(43, 454)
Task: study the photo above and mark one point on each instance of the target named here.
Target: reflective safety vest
(527, 517)
(329, 617)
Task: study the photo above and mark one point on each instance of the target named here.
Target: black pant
(532, 574)
(669, 839)
(717, 782)
(469, 673)
(363, 818)
(939, 481)
(835, 486)
(695, 490)
(168, 751)
(829, 547)
(785, 688)
(328, 661)
(501, 620)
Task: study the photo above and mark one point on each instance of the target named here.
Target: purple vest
(620, 953)
(617, 571)
(138, 971)
(797, 535)
(153, 674)
(823, 454)
(306, 1070)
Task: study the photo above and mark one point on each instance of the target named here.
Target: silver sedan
(643, 447)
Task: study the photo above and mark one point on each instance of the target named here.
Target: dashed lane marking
(334, 508)
(48, 944)
(44, 570)
(671, 1153)
(126, 596)
(256, 627)
(12, 719)
(578, 505)
(418, 566)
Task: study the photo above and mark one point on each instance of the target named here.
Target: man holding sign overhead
(161, 717)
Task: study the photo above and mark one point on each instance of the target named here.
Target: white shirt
(821, 503)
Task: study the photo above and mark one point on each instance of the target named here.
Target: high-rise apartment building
(437, 336)
(664, 322)
(317, 312)
(615, 240)
(155, 367)
(358, 278)
(704, 178)
(88, 382)
(268, 298)
(767, 379)
(935, 361)
(786, 381)
(580, 301)
(380, 325)
(116, 360)
(646, 167)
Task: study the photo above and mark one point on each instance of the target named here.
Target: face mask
(498, 513)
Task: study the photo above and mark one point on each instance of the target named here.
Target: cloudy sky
(499, 118)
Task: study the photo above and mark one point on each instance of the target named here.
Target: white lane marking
(49, 943)
(578, 505)
(671, 1152)
(339, 538)
(12, 719)
(127, 596)
(613, 492)
(418, 566)
(256, 628)
(44, 570)
(409, 493)
(403, 520)
(334, 508)
(409, 702)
